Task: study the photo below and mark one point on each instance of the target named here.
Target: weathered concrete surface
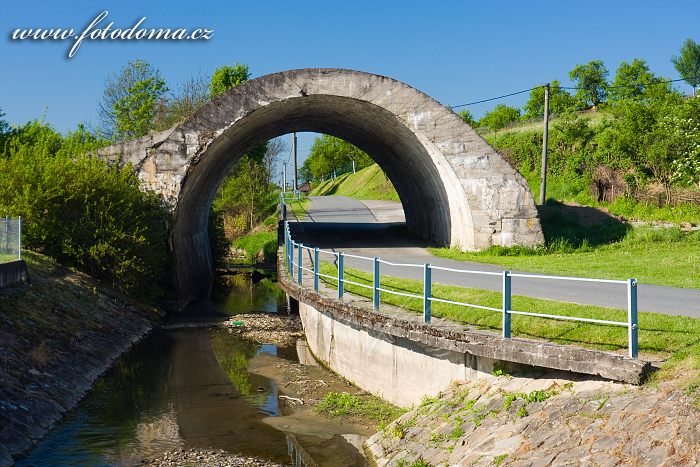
(323, 315)
(396, 369)
(13, 273)
(455, 188)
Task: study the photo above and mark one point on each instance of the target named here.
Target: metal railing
(10, 239)
(294, 257)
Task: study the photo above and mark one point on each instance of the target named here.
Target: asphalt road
(345, 224)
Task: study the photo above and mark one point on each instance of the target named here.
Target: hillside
(368, 183)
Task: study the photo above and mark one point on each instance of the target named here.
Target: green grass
(6, 258)
(340, 404)
(659, 334)
(651, 255)
(256, 242)
(299, 207)
(368, 183)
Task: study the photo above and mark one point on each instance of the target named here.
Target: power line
(494, 98)
(572, 88)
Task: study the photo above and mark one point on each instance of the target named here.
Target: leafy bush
(82, 212)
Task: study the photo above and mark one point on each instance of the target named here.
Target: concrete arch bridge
(455, 189)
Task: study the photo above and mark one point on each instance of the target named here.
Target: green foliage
(467, 117)
(130, 101)
(498, 460)
(329, 153)
(183, 102)
(82, 212)
(252, 244)
(338, 404)
(499, 117)
(241, 196)
(591, 81)
(688, 63)
(560, 101)
(4, 127)
(227, 77)
(135, 113)
(368, 183)
(635, 81)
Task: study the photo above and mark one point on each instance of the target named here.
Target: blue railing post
(341, 275)
(632, 324)
(315, 269)
(300, 271)
(506, 304)
(427, 291)
(375, 286)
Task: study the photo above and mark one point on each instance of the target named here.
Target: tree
(273, 149)
(560, 101)
(184, 101)
(139, 77)
(591, 81)
(329, 153)
(227, 77)
(467, 117)
(135, 113)
(633, 81)
(499, 117)
(688, 63)
(4, 127)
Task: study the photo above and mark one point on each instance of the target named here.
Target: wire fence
(296, 267)
(10, 239)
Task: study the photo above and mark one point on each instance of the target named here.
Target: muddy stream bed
(230, 382)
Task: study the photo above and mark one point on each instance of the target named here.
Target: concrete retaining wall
(396, 369)
(13, 273)
(402, 360)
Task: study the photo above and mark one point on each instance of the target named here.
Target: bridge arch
(455, 188)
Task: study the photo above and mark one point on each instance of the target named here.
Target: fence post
(427, 291)
(506, 304)
(632, 324)
(375, 286)
(7, 234)
(315, 269)
(300, 271)
(19, 238)
(341, 275)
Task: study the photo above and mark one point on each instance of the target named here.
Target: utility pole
(294, 149)
(353, 166)
(284, 177)
(545, 143)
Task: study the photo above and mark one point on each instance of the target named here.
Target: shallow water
(179, 388)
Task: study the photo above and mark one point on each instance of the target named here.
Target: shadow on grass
(580, 225)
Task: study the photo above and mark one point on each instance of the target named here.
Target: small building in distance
(305, 187)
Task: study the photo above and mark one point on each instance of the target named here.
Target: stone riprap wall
(545, 421)
(57, 336)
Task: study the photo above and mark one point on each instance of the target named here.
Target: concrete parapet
(13, 273)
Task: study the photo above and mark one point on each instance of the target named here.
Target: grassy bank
(660, 336)
(258, 246)
(368, 183)
(661, 256)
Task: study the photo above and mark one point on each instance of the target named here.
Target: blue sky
(457, 52)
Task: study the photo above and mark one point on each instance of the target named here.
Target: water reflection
(179, 388)
(241, 293)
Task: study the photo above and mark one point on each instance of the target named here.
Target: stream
(188, 385)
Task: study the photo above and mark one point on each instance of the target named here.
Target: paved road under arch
(346, 224)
